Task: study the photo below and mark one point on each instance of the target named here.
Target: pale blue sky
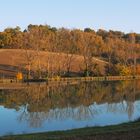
(121, 15)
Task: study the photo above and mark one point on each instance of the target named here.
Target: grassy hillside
(14, 60)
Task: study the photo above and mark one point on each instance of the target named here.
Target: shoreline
(128, 130)
(71, 79)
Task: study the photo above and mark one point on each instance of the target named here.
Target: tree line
(120, 50)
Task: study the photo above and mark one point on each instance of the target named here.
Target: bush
(123, 70)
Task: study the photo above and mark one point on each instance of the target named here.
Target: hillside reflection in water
(40, 107)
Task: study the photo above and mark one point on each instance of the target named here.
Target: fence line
(78, 79)
(105, 78)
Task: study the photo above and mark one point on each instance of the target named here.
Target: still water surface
(40, 107)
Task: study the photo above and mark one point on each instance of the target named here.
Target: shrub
(123, 70)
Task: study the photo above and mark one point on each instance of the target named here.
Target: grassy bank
(126, 131)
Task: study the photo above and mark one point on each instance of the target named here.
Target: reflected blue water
(22, 111)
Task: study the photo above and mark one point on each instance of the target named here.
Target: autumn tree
(67, 44)
(109, 48)
(133, 51)
(87, 47)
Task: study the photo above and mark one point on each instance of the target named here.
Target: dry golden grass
(12, 60)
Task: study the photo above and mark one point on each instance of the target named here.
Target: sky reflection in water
(38, 108)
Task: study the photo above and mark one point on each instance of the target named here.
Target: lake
(47, 107)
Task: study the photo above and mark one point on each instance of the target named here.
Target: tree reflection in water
(37, 103)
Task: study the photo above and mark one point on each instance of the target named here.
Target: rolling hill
(15, 60)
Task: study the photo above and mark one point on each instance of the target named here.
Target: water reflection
(38, 103)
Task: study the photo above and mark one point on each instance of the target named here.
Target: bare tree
(133, 52)
(86, 43)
